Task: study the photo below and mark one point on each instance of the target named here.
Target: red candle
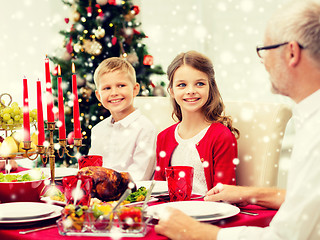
(50, 114)
(40, 115)
(76, 115)
(62, 128)
(26, 119)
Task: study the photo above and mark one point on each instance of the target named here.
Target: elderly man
(291, 55)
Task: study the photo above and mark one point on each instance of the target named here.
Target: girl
(203, 138)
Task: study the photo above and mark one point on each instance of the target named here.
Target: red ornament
(136, 9)
(148, 60)
(152, 84)
(112, 2)
(114, 40)
(136, 32)
(66, 20)
(100, 12)
(89, 11)
(55, 71)
(70, 138)
(69, 46)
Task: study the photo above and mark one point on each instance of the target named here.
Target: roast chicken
(108, 184)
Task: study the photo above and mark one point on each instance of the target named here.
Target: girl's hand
(229, 193)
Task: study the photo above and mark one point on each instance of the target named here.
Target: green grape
(10, 121)
(33, 114)
(6, 110)
(16, 111)
(4, 126)
(6, 117)
(17, 118)
(9, 110)
(34, 111)
(21, 121)
(13, 112)
(14, 104)
(31, 119)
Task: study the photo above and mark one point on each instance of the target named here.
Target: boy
(126, 139)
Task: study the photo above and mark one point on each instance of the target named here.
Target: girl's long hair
(213, 109)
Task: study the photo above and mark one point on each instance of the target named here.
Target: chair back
(261, 125)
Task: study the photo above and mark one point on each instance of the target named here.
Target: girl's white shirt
(186, 154)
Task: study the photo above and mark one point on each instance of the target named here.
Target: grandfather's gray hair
(299, 21)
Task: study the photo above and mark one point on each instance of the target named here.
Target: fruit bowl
(26, 191)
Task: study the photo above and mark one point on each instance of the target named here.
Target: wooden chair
(261, 126)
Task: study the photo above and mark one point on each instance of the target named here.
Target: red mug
(90, 160)
(180, 181)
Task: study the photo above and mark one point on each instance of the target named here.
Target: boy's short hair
(114, 64)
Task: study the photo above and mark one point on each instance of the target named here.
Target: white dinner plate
(161, 187)
(60, 172)
(23, 210)
(52, 211)
(200, 210)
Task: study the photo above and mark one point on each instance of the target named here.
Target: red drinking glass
(77, 189)
(90, 160)
(180, 180)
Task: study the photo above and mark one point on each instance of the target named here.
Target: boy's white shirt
(127, 145)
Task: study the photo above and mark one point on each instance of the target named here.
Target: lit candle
(40, 115)
(50, 114)
(26, 119)
(76, 115)
(62, 128)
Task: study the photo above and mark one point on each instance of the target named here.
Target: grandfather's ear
(295, 53)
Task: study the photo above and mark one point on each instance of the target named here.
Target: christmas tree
(100, 29)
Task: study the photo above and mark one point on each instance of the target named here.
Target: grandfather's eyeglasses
(260, 50)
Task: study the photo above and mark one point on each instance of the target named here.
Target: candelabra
(48, 152)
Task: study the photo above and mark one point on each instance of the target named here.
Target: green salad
(138, 195)
(18, 177)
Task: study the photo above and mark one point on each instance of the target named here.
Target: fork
(37, 229)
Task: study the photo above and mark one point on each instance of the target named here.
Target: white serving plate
(200, 210)
(60, 172)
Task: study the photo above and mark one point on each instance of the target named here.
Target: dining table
(251, 215)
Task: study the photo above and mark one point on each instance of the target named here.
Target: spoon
(144, 205)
